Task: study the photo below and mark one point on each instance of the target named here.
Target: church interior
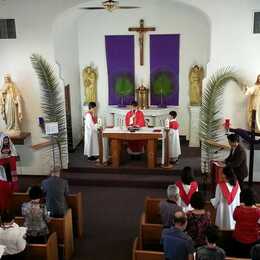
(121, 98)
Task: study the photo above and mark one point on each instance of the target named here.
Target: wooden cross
(141, 30)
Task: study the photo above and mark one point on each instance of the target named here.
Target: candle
(167, 123)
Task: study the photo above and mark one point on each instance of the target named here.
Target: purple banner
(120, 64)
(164, 69)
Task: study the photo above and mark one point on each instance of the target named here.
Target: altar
(154, 116)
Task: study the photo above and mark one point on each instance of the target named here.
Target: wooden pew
(74, 202)
(140, 254)
(48, 251)
(64, 229)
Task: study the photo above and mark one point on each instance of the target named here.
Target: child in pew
(187, 186)
(36, 217)
(211, 251)
(12, 237)
(174, 138)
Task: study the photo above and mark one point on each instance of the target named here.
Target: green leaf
(52, 103)
(124, 86)
(162, 85)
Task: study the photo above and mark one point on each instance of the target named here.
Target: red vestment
(186, 197)
(174, 124)
(135, 118)
(229, 196)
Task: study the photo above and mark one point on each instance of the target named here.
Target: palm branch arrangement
(162, 86)
(210, 114)
(124, 87)
(52, 103)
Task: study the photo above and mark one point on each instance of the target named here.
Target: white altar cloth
(142, 130)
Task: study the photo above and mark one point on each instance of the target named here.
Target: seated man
(56, 189)
(135, 118)
(12, 237)
(211, 250)
(177, 245)
(169, 207)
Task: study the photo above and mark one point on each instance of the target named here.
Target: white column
(194, 139)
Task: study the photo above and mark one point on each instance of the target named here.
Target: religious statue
(195, 77)
(254, 102)
(142, 96)
(90, 84)
(11, 106)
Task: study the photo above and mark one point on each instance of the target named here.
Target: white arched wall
(92, 26)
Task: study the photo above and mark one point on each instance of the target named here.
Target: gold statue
(195, 77)
(142, 96)
(11, 106)
(254, 102)
(90, 84)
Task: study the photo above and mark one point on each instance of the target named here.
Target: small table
(117, 136)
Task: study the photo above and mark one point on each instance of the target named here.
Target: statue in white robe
(91, 147)
(224, 214)
(11, 106)
(254, 103)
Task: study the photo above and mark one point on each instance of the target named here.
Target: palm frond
(210, 114)
(52, 103)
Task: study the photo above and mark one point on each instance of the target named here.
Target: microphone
(220, 149)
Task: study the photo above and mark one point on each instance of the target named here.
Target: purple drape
(120, 62)
(164, 58)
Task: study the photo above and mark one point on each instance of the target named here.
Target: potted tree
(162, 87)
(123, 88)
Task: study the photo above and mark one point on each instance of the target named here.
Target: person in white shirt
(91, 148)
(227, 198)
(12, 237)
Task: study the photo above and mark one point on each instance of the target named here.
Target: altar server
(91, 135)
(174, 138)
(187, 186)
(135, 118)
(227, 198)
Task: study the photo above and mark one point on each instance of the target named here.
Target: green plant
(162, 85)
(124, 87)
(52, 103)
(210, 114)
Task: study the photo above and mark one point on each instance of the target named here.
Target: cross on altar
(141, 30)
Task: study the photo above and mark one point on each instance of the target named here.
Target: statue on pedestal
(11, 106)
(195, 78)
(90, 84)
(142, 97)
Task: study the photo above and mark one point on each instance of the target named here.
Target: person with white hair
(169, 207)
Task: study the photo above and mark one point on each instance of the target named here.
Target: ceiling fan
(110, 5)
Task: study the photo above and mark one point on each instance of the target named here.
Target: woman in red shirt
(247, 217)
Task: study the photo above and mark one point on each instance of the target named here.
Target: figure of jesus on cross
(141, 30)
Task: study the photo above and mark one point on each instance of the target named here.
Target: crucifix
(141, 30)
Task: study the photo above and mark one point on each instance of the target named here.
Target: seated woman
(227, 198)
(187, 186)
(247, 217)
(36, 217)
(198, 220)
(12, 237)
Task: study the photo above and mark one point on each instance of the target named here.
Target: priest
(91, 135)
(135, 118)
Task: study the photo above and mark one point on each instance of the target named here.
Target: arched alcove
(78, 37)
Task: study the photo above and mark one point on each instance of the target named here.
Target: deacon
(91, 135)
(237, 158)
(135, 118)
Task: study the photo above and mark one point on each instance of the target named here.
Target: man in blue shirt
(177, 245)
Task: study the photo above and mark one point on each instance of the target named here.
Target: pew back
(48, 251)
